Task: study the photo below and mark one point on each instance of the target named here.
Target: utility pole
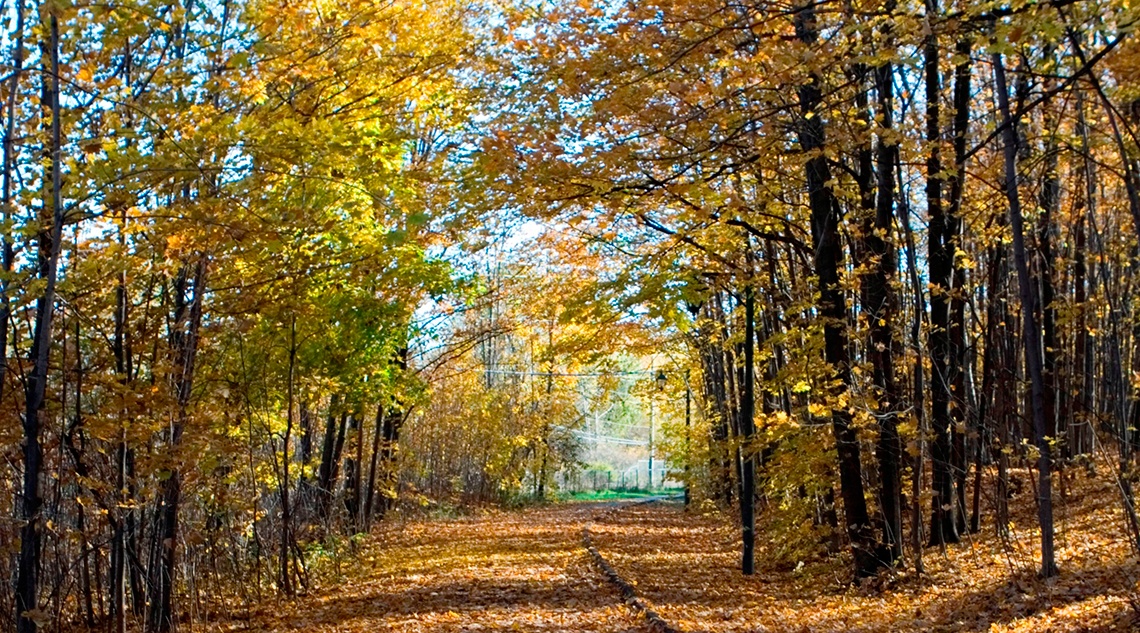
(650, 486)
(688, 435)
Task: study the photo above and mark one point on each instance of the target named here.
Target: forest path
(500, 571)
(685, 566)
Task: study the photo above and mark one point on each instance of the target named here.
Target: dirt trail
(510, 571)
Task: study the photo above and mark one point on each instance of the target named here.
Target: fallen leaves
(687, 568)
(528, 571)
(518, 571)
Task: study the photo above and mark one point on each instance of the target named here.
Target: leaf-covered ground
(529, 571)
(686, 568)
(502, 571)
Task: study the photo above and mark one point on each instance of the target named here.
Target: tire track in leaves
(656, 623)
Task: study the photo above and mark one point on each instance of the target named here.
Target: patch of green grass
(608, 495)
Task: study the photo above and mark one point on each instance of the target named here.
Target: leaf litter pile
(528, 571)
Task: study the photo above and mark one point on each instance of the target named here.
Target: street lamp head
(661, 379)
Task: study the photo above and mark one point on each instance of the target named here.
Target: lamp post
(660, 380)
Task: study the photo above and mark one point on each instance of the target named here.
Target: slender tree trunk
(286, 576)
(394, 418)
(352, 468)
(1082, 383)
(918, 398)
(133, 539)
(370, 496)
(541, 490)
(338, 452)
(747, 435)
(990, 404)
(716, 401)
(943, 526)
(119, 516)
(881, 306)
(184, 344)
(338, 423)
(1049, 201)
(1005, 402)
(1032, 330)
(356, 515)
(76, 450)
(832, 303)
(960, 411)
(732, 390)
(688, 440)
(7, 252)
(326, 472)
(27, 572)
(305, 451)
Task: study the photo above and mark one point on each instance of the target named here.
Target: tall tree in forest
(748, 433)
(7, 190)
(50, 246)
(188, 290)
(825, 223)
(880, 303)
(954, 247)
(943, 525)
(1032, 338)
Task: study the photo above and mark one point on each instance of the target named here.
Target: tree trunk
(992, 366)
(919, 375)
(960, 411)
(357, 513)
(329, 471)
(1049, 202)
(880, 302)
(747, 435)
(7, 252)
(370, 496)
(352, 471)
(187, 321)
(716, 402)
(832, 303)
(119, 518)
(286, 576)
(1032, 331)
(76, 444)
(51, 239)
(1082, 375)
(394, 416)
(943, 526)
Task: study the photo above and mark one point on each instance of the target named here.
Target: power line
(543, 374)
(609, 439)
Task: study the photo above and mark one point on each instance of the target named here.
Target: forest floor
(529, 571)
(685, 565)
(523, 571)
